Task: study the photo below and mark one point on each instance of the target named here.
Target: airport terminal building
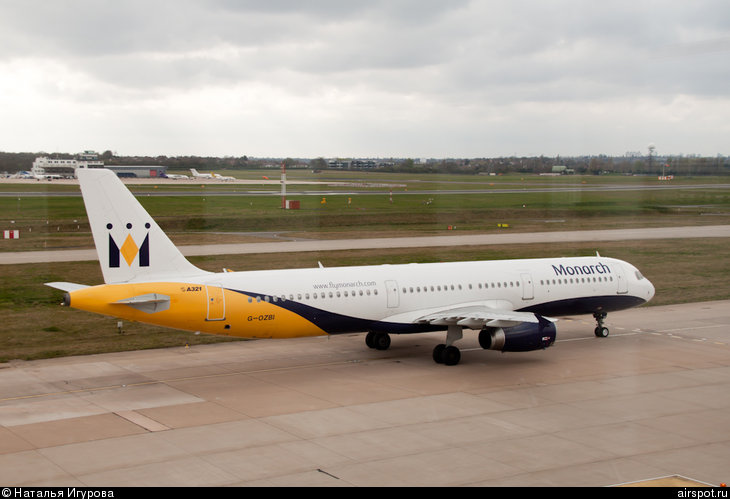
(49, 168)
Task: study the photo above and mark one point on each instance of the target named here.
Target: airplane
(175, 177)
(511, 303)
(214, 176)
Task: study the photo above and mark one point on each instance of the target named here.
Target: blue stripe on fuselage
(334, 323)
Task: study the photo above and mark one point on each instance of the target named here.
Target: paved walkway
(395, 242)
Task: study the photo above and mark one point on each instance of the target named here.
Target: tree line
(11, 162)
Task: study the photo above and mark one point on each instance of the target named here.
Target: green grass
(60, 222)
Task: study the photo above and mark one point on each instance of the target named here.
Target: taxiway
(649, 401)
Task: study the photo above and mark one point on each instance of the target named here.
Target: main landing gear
(601, 331)
(378, 341)
(446, 353)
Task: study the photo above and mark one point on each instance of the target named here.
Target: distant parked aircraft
(213, 176)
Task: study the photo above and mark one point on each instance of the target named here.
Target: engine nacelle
(522, 338)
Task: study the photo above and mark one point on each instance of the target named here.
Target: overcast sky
(390, 78)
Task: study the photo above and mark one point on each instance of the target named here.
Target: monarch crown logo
(129, 248)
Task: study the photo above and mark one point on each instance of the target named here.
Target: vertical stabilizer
(130, 244)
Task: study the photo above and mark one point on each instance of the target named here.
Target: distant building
(348, 164)
(139, 171)
(48, 168)
(44, 167)
(89, 159)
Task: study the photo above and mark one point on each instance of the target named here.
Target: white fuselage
(387, 296)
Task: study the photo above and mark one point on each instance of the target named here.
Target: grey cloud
(411, 61)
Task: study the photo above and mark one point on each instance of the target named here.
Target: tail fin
(130, 244)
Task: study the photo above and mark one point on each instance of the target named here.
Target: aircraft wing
(477, 317)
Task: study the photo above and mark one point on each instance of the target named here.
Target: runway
(10, 258)
(647, 402)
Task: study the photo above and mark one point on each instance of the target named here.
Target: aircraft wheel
(438, 353)
(370, 340)
(451, 356)
(601, 331)
(381, 341)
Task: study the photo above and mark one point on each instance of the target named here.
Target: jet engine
(522, 338)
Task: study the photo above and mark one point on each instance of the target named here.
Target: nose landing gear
(601, 331)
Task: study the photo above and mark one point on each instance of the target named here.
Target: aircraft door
(216, 306)
(391, 289)
(623, 285)
(527, 287)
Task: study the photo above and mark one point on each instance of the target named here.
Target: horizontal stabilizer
(66, 286)
(149, 303)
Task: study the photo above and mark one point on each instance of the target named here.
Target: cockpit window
(639, 276)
